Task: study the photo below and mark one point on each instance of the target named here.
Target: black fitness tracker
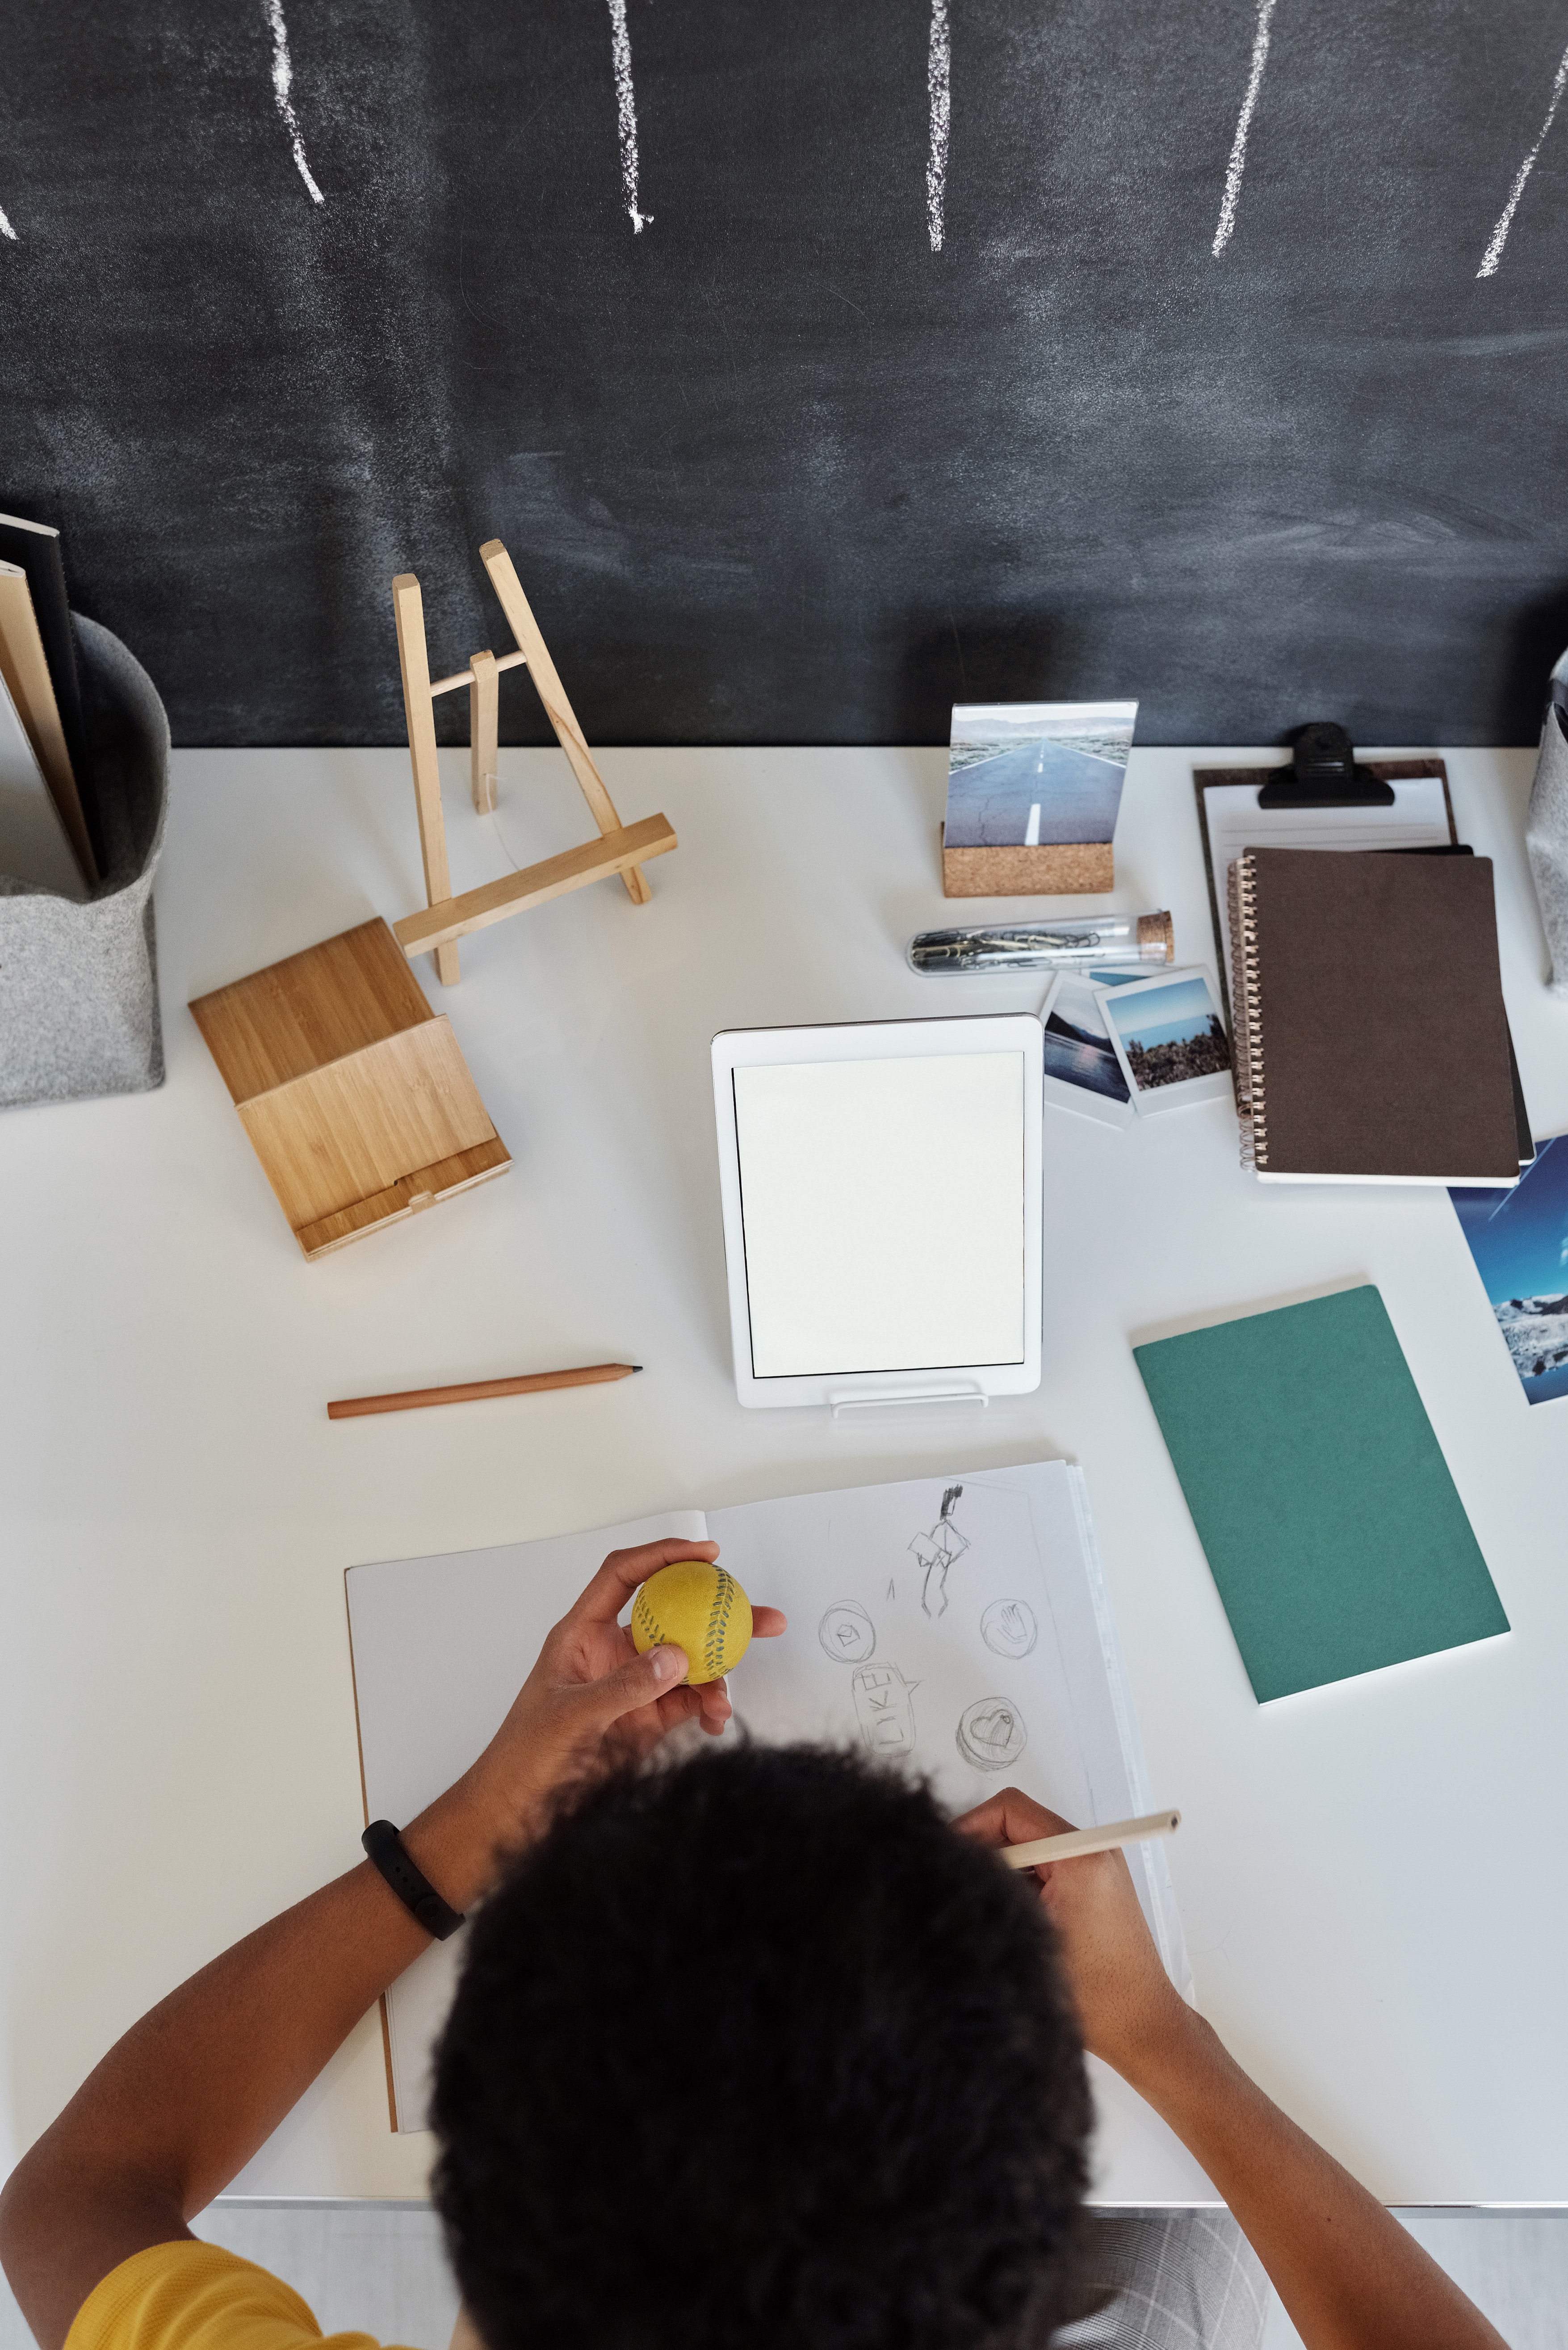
(384, 1846)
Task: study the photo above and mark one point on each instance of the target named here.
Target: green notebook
(1323, 1505)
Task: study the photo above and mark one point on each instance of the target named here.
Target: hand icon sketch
(1008, 1626)
(937, 1551)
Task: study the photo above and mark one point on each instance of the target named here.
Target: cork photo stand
(1033, 790)
(1058, 869)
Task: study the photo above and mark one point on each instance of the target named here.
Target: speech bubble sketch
(847, 1634)
(883, 1709)
(1008, 1628)
(991, 1733)
(937, 1551)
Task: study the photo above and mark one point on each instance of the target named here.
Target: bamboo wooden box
(353, 1091)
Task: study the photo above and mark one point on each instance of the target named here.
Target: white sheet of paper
(853, 1172)
(441, 1646)
(980, 1645)
(1418, 819)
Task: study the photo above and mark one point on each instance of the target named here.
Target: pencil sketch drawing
(1235, 171)
(891, 1592)
(847, 1634)
(282, 83)
(1493, 253)
(625, 115)
(883, 1709)
(991, 1733)
(937, 1551)
(1008, 1628)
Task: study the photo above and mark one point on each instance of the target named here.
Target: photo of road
(1042, 792)
(1034, 774)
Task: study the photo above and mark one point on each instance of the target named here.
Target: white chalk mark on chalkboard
(938, 79)
(6, 230)
(1236, 168)
(1493, 253)
(626, 110)
(282, 83)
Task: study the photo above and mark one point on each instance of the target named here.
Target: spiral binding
(1245, 995)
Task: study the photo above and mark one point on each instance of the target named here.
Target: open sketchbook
(959, 1624)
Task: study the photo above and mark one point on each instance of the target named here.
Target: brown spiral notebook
(1371, 1041)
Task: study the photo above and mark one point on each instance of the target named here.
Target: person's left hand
(591, 1701)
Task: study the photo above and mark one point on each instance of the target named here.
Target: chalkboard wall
(776, 466)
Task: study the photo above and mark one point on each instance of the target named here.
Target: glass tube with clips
(1045, 946)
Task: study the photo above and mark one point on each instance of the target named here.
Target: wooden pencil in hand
(1073, 1843)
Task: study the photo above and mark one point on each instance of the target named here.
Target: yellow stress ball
(697, 1607)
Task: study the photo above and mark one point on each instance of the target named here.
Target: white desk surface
(1372, 1875)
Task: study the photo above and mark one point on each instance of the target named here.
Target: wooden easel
(620, 848)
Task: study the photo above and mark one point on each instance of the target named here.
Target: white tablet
(881, 1192)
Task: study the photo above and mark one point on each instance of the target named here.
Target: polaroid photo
(1519, 1240)
(1031, 774)
(1170, 1042)
(1082, 1071)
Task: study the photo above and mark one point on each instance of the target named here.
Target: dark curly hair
(755, 2051)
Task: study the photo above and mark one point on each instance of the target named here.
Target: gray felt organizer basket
(78, 984)
(1546, 833)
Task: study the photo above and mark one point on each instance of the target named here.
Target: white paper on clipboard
(1232, 821)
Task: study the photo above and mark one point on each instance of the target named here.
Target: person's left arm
(179, 2104)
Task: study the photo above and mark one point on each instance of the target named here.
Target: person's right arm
(1349, 2275)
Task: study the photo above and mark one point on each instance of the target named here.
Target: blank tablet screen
(883, 1208)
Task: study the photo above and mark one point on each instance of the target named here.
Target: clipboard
(1291, 828)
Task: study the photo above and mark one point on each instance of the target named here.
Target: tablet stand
(620, 848)
(845, 1407)
(355, 1095)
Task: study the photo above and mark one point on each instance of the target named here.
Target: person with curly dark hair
(752, 2051)
(871, 2114)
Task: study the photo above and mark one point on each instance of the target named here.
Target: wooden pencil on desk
(529, 1383)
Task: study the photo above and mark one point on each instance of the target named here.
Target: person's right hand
(1129, 2008)
(591, 1703)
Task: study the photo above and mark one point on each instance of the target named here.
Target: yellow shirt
(187, 2296)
